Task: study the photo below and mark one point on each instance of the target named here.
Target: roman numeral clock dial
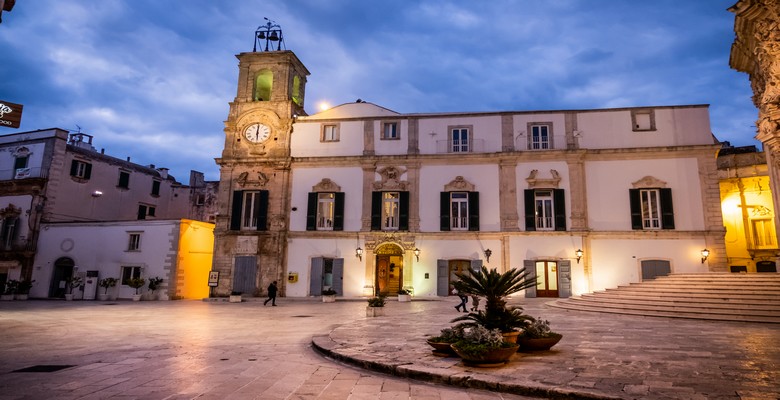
(257, 133)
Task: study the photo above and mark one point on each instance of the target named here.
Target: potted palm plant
(71, 283)
(442, 343)
(495, 287)
(136, 283)
(106, 283)
(376, 306)
(329, 295)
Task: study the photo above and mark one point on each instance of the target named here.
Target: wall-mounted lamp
(97, 193)
(488, 253)
(579, 254)
(359, 253)
(417, 253)
(704, 255)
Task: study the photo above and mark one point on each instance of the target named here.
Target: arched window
(263, 85)
(297, 98)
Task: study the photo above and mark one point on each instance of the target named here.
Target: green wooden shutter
(87, 171)
(74, 167)
(559, 205)
(667, 209)
(636, 208)
(376, 211)
(235, 212)
(530, 212)
(530, 268)
(403, 211)
(473, 211)
(311, 212)
(444, 213)
(338, 212)
(155, 188)
(262, 211)
(442, 278)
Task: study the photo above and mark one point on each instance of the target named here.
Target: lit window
(390, 210)
(763, 233)
(651, 208)
(543, 206)
(459, 211)
(325, 208)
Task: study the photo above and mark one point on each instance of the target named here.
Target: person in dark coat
(272, 289)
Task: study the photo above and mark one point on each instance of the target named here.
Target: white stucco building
(367, 200)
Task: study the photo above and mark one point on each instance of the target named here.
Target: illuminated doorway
(389, 269)
(546, 279)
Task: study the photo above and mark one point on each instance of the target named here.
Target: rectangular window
(643, 120)
(540, 137)
(21, 162)
(80, 169)
(325, 207)
(130, 272)
(200, 200)
(330, 133)
(155, 187)
(390, 210)
(251, 210)
(543, 206)
(459, 211)
(145, 211)
(124, 180)
(763, 233)
(651, 208)
(390, 131)
(460, 140)
(134, 243)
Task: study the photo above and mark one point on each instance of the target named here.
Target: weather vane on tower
(270, 32)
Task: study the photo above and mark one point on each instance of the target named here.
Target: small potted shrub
(482, 347)
(235, 297)
(9, 290)
(404, 295)
(70, 284)
(23, 289)
(137, 284)
(442, 343)
(106, 283)
(329, 295)
(154, 285)
(538, 336)
(376, 306)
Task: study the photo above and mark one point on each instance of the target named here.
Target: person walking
(463, 299)
(271, 294)
(474, 302)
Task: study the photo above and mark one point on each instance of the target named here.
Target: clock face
(257, 133)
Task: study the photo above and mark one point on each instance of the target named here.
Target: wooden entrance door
(389, 274)
(546, 279)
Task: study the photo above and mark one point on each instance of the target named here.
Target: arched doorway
(389, 269)
(63, 269)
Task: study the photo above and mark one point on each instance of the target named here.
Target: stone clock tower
(254, 188)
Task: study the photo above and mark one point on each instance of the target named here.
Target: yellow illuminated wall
(196, 249)
(748, 214)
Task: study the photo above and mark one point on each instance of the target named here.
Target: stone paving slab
(600, 356)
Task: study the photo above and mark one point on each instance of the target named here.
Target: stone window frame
(336, 132)
(644, 111)
(550, 135)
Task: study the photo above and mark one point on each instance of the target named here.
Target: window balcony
(22, 173)
(450, 146)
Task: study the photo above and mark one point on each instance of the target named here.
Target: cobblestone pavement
(193, 349)
(600, 355)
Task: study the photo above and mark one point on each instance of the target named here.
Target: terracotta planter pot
(511, 337)
(441, 349)
(492, 358)
(538, 344)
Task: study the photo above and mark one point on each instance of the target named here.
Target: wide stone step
(726, 297)
(565, 304)
(769, 304)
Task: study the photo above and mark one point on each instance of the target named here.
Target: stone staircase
(714, 296)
